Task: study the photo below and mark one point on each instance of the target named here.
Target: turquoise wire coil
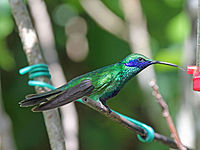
(40, 84)
(38, 70)
(149, 130)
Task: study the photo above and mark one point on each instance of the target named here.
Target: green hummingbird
(100, 85)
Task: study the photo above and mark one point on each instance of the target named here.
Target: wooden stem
(31, 48)
(125, 123)
(166, 114)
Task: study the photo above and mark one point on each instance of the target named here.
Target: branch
(166, 114)
(32, 51)
(126, 123)
(47, 41)
(198, 36)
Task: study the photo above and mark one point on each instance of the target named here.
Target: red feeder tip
(192, 69)
(196, 76)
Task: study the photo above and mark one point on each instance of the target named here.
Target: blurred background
(90, 34)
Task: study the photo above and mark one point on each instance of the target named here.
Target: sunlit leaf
(174, 3)
(178, 28)
(6, 26)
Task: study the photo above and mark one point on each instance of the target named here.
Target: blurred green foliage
(7, 61)
(178, 28)
(168, 26)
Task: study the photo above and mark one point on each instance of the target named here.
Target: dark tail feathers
(34, 99)
(85, 88)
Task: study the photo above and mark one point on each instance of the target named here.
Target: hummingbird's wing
(85, 88)
(101, 82)
(89, 86)
(58, 97)
(34, 99)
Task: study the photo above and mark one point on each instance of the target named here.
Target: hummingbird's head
(140, 61)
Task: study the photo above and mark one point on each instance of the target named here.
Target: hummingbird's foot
(104, 103)
(109, 110)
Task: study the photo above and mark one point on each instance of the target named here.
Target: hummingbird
(100, 85)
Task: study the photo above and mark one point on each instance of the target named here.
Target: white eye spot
(140, 59)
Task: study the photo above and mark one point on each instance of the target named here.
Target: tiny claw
(104, 104)
(109, 110)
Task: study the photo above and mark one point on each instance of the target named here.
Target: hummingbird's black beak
(166, 63)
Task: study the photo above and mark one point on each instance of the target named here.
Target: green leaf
(174, 3)
(178, 28)
(6, 26)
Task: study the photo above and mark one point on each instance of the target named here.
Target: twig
(166, 114)
(44, 29)
(198, 36)
(101, 108)
(125, 123)
(32, 51)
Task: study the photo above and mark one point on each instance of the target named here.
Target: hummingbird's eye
(140, 59)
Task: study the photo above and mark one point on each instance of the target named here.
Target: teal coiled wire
(149, 130)
(38, 70)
